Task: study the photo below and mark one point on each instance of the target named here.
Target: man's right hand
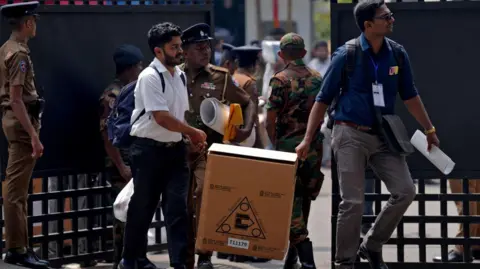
(126, 173)
(302, 150)
(197, 136)
(37, 147)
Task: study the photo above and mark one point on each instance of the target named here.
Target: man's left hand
(432, 139)
(241, 134)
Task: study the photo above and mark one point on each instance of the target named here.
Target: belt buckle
(170, 144)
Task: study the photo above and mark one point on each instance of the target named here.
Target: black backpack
(354, 54)
(118, 122)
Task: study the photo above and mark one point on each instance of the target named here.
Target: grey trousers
(353, 151)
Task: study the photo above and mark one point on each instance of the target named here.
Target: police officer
(203, 81)
(128, 65)
(293, 93)
(246, 60)
(21, 109)
(228, 58)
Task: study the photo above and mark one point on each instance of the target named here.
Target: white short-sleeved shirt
(150, 96)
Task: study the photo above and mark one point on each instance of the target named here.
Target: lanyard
(375, 65)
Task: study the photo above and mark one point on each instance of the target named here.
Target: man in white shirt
(159, 153)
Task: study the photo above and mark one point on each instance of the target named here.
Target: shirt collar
(161, 68)
(365, 46)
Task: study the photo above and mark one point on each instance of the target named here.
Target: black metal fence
(69, 207)
(423, 28)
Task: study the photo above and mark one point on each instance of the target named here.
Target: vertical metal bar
(421, 223)
(444, 223)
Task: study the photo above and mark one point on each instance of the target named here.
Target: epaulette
(218, 68)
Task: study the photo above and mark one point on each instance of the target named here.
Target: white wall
(301, 14)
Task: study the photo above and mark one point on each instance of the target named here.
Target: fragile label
(238, 243)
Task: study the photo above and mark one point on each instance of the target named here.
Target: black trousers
(158, 169)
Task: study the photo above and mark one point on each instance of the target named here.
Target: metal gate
(68, 207)
(440, 38)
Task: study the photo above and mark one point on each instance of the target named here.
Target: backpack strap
(184, 80)
(352, 53)
(162, 79)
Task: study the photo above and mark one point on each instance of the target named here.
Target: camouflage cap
(292, 40)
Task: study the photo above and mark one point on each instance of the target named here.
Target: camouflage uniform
(107, 100)
(293, 92)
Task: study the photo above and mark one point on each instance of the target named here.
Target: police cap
(126, 55)
(196, 33)
(18, 10)
(247, 55)
(228, 53)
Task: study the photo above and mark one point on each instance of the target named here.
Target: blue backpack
(118, 122)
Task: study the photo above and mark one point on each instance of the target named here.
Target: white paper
(436, 156)
(377, 90)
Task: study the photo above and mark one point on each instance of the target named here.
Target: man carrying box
(292, 97)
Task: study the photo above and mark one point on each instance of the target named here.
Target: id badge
(377, 91)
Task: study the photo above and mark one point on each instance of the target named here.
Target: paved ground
(320, 228)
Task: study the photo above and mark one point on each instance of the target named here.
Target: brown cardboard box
(247, 201)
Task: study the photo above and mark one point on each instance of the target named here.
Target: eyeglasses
(386, 17)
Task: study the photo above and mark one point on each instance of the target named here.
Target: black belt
(365, 129)
(153, 143)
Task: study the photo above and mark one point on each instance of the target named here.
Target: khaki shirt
(211, 81)
(248, 82)
(16, 69)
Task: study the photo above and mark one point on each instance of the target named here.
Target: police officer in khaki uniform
(203, 81)
(128, 65)
(246, 61)
(21, 111)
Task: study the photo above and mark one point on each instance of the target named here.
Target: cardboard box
(247, 201)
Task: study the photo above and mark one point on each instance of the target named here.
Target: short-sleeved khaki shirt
(16, 69)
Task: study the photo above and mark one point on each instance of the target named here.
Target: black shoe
(375, 259)
(305, 254)
(25, 260)
(453, 256)
(142, 263)
(204, 262)
(291, 262)
(31, 252)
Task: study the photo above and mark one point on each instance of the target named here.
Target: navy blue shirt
(356, 104)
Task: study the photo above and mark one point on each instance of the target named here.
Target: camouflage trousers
(308, 184)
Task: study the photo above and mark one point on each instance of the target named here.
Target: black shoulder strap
(352, 53)
(162, 79)
(184, 80)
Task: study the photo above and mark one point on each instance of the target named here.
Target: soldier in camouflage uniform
(128, 62)
(293, 94)
(205, 81)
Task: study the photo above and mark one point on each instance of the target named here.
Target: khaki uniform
(16, 69)
(107, 101)
(456, 186)
(216, 82)
(248, 82)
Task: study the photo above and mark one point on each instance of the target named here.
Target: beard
(173, 61)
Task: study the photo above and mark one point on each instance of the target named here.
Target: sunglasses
(386, 17)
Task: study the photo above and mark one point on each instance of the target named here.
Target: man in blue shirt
(356, 142)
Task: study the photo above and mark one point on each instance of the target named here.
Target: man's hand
(37, 147)
(241, 134)
(302, 150)
(126, 173)
(432, 139)
(197, 136)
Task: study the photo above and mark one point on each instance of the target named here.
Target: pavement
(320, 234)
